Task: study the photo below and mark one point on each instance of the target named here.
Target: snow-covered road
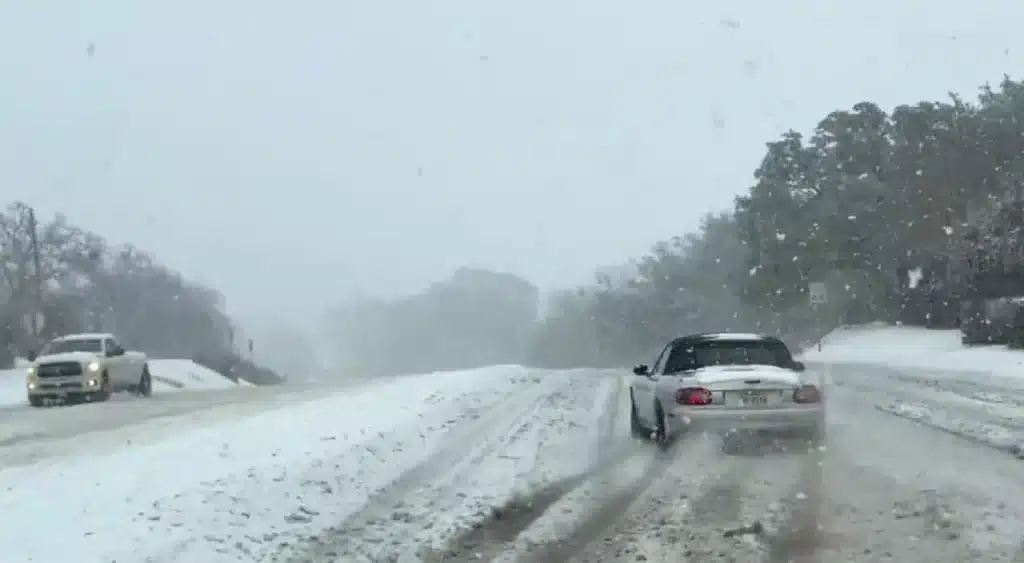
(514, 465)
(885, 489)
(29, 435)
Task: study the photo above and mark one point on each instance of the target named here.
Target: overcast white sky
(290, 153)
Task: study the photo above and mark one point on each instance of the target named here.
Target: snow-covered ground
(915, 347)
(928, 376)
(186, 375)
(12, 387)
(241, 489)
(168, 376)
(505, 464)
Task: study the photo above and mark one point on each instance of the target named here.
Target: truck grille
(59, 369)
(62, 385)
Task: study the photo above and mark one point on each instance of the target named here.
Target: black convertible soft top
(686, 351)
(725, 337)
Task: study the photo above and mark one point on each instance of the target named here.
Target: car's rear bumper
(723, 420)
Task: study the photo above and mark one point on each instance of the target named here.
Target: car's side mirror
(641, 369)
(116, 351)
(32, 355)
(798, 366)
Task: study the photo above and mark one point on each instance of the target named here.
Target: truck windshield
(74, 345)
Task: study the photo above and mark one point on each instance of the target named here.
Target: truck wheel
(145, 385)
(36, 401)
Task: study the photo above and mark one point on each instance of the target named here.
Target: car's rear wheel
(145, 386)
(661, 433)
(636, 426)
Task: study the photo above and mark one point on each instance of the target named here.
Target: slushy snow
(929, 376)
(240, 489)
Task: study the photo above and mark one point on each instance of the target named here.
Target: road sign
(817, 293)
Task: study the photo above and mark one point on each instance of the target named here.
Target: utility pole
(37, 294)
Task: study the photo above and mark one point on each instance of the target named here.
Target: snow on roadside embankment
(240, 489)
(183, 375)
(914, 347)
(928, 376)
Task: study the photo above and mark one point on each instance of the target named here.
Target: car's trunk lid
(720, 378)
(746, 386)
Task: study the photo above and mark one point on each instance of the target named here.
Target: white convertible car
(728, 384)
(85, 367)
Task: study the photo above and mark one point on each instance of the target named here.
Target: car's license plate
(754, 399)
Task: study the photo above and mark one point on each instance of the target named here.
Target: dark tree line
(899, 214)
(84, 283)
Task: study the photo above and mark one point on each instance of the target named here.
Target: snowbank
(170, 375)
(237, 490)
(914, 347)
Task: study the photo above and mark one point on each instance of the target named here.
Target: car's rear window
(725, 352)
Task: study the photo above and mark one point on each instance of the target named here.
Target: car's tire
(661, 435)
(36, 402)
(636, 426)
(144, 388)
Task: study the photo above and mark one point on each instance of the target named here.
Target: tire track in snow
(752, 512)
(486, 539)
(703, 507)
(605, 514)
(500, 538)
(386, 528)
(492, 535)
(627, 469)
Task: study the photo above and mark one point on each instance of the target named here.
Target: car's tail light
(693, 396)
(807, 394)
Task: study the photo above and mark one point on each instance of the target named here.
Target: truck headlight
(94, 366)
(31, 385)
(31, 371)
